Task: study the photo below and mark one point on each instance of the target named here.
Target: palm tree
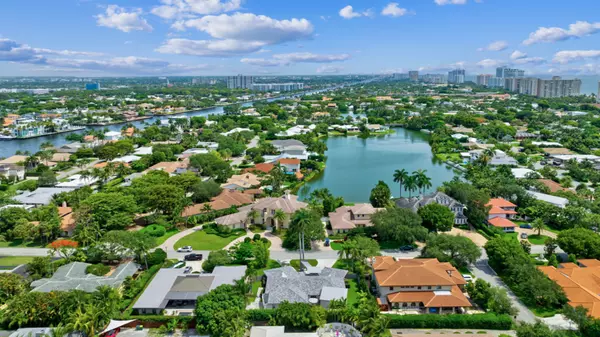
(400, 177)
(252, 215)
(122, 170)
(422, 180)
(279, 216)
(85, 175)
(487, 155)
(410, 185)
(207, 207)
(538, 225)
(243, 287)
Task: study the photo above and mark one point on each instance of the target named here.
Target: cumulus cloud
(516, 55)
(530, 60)
(12, 51)
(392, 9)
(171, 9)
(568, 56)
(327, 69)
(291, 58)
(553, 34)
(495, 46)
(490, 63)
(119, 18)
(349, 13)
(450, 2)
(236, 34)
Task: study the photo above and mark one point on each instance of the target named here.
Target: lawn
(352, 292)
(464, 271)
(10, 262)
(20, 244)
(272, 264)
(342, 264)
(537, 239)
(383, 245)
(511, 236)
(296, 263)
(161, 239)
(200, 240)
(336, 245)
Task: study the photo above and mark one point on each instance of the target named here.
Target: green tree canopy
(436, 217)
(458, 250)
(400, 225)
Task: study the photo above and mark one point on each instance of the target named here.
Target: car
(193, 257)
(526, 226)
(467, 277)
(187, 270)
(407, 248)
(185, 249)
(524, 235)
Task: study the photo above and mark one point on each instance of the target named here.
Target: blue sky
(223, 37)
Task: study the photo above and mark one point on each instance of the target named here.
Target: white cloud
(236, 34)
(530, 60)
(516, 55)
(392, 9)
(490, 63)
(327, 69)
(495, 46)
(450, 2)
(66, 52)
(13, 51)
(349, 13)
(567, 56)
(554, 34)
(209, 47)
(261, 62)
(172, 9)
(119, 18)
(291, 58)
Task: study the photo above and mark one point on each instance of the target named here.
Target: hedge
(160, 318)
(260, 315)
(477, 321)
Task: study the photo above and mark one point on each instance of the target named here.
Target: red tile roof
(501, 223)
(289, 161)
(500, 202)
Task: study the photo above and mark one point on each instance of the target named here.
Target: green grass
(161, 239)
(537, 239)
(10, 262)
(352, 292)
(296, 263)
(465, 270)
(200, 240)
(342, 264)
(383, 245)
(20, 244)
(541, 312)
(336, 245)
(511, 236)
(272, 264)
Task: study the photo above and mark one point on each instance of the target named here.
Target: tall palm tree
(207, 207)
(280, 217)
(252, 215)
(400, 177)
(422, 180)
(487, 155)
(410, 185)
(85, 175)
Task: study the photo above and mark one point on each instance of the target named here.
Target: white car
(185, 249)
(467, 277)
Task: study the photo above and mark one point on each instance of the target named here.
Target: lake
(354, 165)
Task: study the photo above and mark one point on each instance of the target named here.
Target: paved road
(24, 251)
(238, 160)
(481, 269)
(75, 170)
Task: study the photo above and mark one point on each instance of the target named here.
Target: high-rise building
(557, 87)
(456, 76)
(505, 72)
(434, 78)
(413, 76)
(495, 82)
(528, 86)
(92, 86)
(240, 82)
(483, 79)
(277, 86)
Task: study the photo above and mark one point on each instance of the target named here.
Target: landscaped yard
(336, 245)
(20, 244)
(342, 264)
(352, 292)
(10, 262)
(200, 240)
(537, 239)
(296, 263)
(161, 239)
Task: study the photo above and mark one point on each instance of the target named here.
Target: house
(346, 218)
(241, 182)
(441, 198)
(499, 158)
(226, 199)
(126, 159)
(579, 282)
(74, 276)
(426, 285)
(313, 285)
(77, 181)
(551, 199)
(289, 148)
(176, 292)
(70, 148)
(261, 167)
(41, 196)
(265, 209)
(284, 145)
(143, 151)
(213, 146)
(67, 221)
(171, 167)
(553, 186)
(58, 157)
(112, 135)
(522, 173)
(290, 165)
(296, 130)
(500, 212)
(236, 130)
(14, 160)
(12, 171)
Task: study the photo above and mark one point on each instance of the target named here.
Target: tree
(217, 258)
(357, 249)
(229, 323)
(261, 255)
(399, 225)
(204, 191)
(241, 252)
(111, 210)
(224, 297)
(550, 247)
(422, 181)
(410, 185)
(212, 166)
(458, 250)
(166, 199)
(39, 267)
(299, 316)
(538, 225)
(65, 248)
(280, 216)
(380, 195)
(399, 177)
(436, 217)
(473, 198)
(500, 303)
(11, 285)
(581, 242)
(306, 223)
(47, 179)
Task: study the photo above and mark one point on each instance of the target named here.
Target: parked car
(185, 249)
(407, 248)
(524, 235)
(467, 277)
(179, 264)
(193, 257)
(187, 270)
(526, 226)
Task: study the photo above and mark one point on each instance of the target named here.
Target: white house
(112, 135)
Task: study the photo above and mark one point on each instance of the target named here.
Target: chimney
(287, 195)
(64, 204)
(449, 272)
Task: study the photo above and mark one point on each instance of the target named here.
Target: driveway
(534, 232)
(477, 238)
(24, 251)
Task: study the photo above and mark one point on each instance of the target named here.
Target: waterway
(354, 165)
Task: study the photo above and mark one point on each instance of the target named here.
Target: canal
(354, 165)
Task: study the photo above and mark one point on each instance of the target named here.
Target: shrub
(155, 230)
(97, 269)
(247, 240)
(477, 321)
(256, 237)
(156, 257)
(260, 315)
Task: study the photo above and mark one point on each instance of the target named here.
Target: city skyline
(227, 37)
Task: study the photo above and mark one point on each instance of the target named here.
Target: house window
(419, 287)
(391, 288)
(404, 305)
(429, 287)
(438, 287)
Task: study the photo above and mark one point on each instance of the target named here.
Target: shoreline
(45, 134)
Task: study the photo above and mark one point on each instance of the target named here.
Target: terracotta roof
(500, 202)
(501, 223)
(581, 285)
(226, 199)
(435, 299)
(262, 167)
(299, 175)
(60, 156)
(167, 166)
(589, 262)
(498, 210)
(14, 159)
(288, 204)
(417, 272)
(344, 217)
(553, 186)
(105, 163)
(289, 161)
(245, 180)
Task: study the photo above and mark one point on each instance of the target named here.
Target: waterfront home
(265, 209)
(112, 136)
(241, 182)
(296, 130)
(176, 292)
(499, 158)
(441, 198)
(421, 285)
(226, 199)
(501, 210)
(312, 285)
(12, 171)
(70, 148)
(290, 165)
(346, 218)
(260, 168)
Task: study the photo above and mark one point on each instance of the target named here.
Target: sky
(296, 37)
